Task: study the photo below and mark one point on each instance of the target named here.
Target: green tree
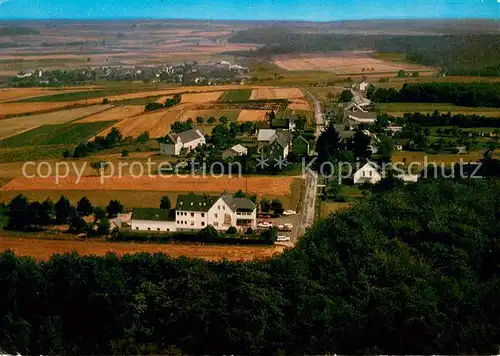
(77, 224)
(265, 205)
(165, 203)
(114, 137)
(114, 208)
(345, 96)
(99, 213)
(18, 208)
(200, 120)
(232, 230)
(62, 210)
(328, 145)
(211, 120)
(103, 227)
(125, 153)
(359, 145)
(84, 207)
(277, 206)
(240, 194)
(385, 148)
(143, 137)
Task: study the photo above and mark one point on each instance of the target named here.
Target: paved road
(306, 215)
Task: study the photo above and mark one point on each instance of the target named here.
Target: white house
(187, 140)
(195, 212)
(234, 151)
(367, 174)
(354, 119)
(150, 219)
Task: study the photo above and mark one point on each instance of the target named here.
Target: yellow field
(10, 127)
(157, 123)
(201, 97)
(252, 115)
(12, 94)
(328, 207)
(22, 108)
(114, 114)
(276, 93)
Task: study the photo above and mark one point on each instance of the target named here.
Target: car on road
(289, 212)
(285, 227)
(283, 238)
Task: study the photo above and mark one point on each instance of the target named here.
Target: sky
(307, 10)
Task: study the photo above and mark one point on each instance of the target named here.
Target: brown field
(12, 94)
(276, 93)
(255, 185)
(252, 115)
(201, 97)
(22, 108)
(344, 63)
(446, 159)
(114, 114)
(163, 99)
(44, 249)
(300, 104)
(10, 127)
(157, 123)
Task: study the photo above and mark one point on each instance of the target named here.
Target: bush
(232, 230)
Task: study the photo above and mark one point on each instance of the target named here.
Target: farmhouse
(195, 212)
(367, 174)
(285, 124)
(187, 141)
(354, 119)
(234, 151)
(150, 219)
(275, 143)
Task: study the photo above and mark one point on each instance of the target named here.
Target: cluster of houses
(212, 73)
(194, 212)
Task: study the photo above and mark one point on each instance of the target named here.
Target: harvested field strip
(276, 93)
(44, 249)
(12, 109)
(157, 123)
(275, 105)
(114, 114)
(23, 154)
(300, 104)
(201, 97)
(254, 185)
(253, 115)
(236, 95)
(11, 94)
(129, 198)
(10, 127)
(62, 134)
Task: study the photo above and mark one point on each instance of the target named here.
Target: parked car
(264, 225)
(289, 212)
(283, 238)
(288, 226)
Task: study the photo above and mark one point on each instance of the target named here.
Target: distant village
(192, 73)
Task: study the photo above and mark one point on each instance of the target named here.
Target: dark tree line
(24, 215)
(400, 273)
(474, 94)
(442, 119)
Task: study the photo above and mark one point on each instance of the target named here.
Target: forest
(414, 270)
(470, 94)
(454, 54)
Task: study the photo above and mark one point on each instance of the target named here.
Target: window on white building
(202, 215)
(202, 223)
(216, 224)
(192, 223)
(216, 216)
(371, 174)
(218, 207)
(192, 215)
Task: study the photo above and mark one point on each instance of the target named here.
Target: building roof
(239, 149)
(265, 135)
(195, 202)
(191, 135)
(153, 214)
(282, 138)
(370, 165)
(238, 204)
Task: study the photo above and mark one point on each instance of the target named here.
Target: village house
(355, 119)
(194, 212)
(186, 141)
(369, 173)
(275, 144)
(235, 151)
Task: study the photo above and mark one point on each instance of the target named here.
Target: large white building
(369, 173)
(187, 140)
(195, 212)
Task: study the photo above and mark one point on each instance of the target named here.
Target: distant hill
(18, 31)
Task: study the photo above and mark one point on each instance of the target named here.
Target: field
(157, 123)
(276, 93)
(446, 159)
(349, 62)
(62, 134)
(12, 94)
(253, 185)
(300, 104)
(236, 95)
(252, 115)
(24, 108)
(114, 114)
(201, 97)
(398, 109)
(22, 154)
(44, 249)
(10, 127)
